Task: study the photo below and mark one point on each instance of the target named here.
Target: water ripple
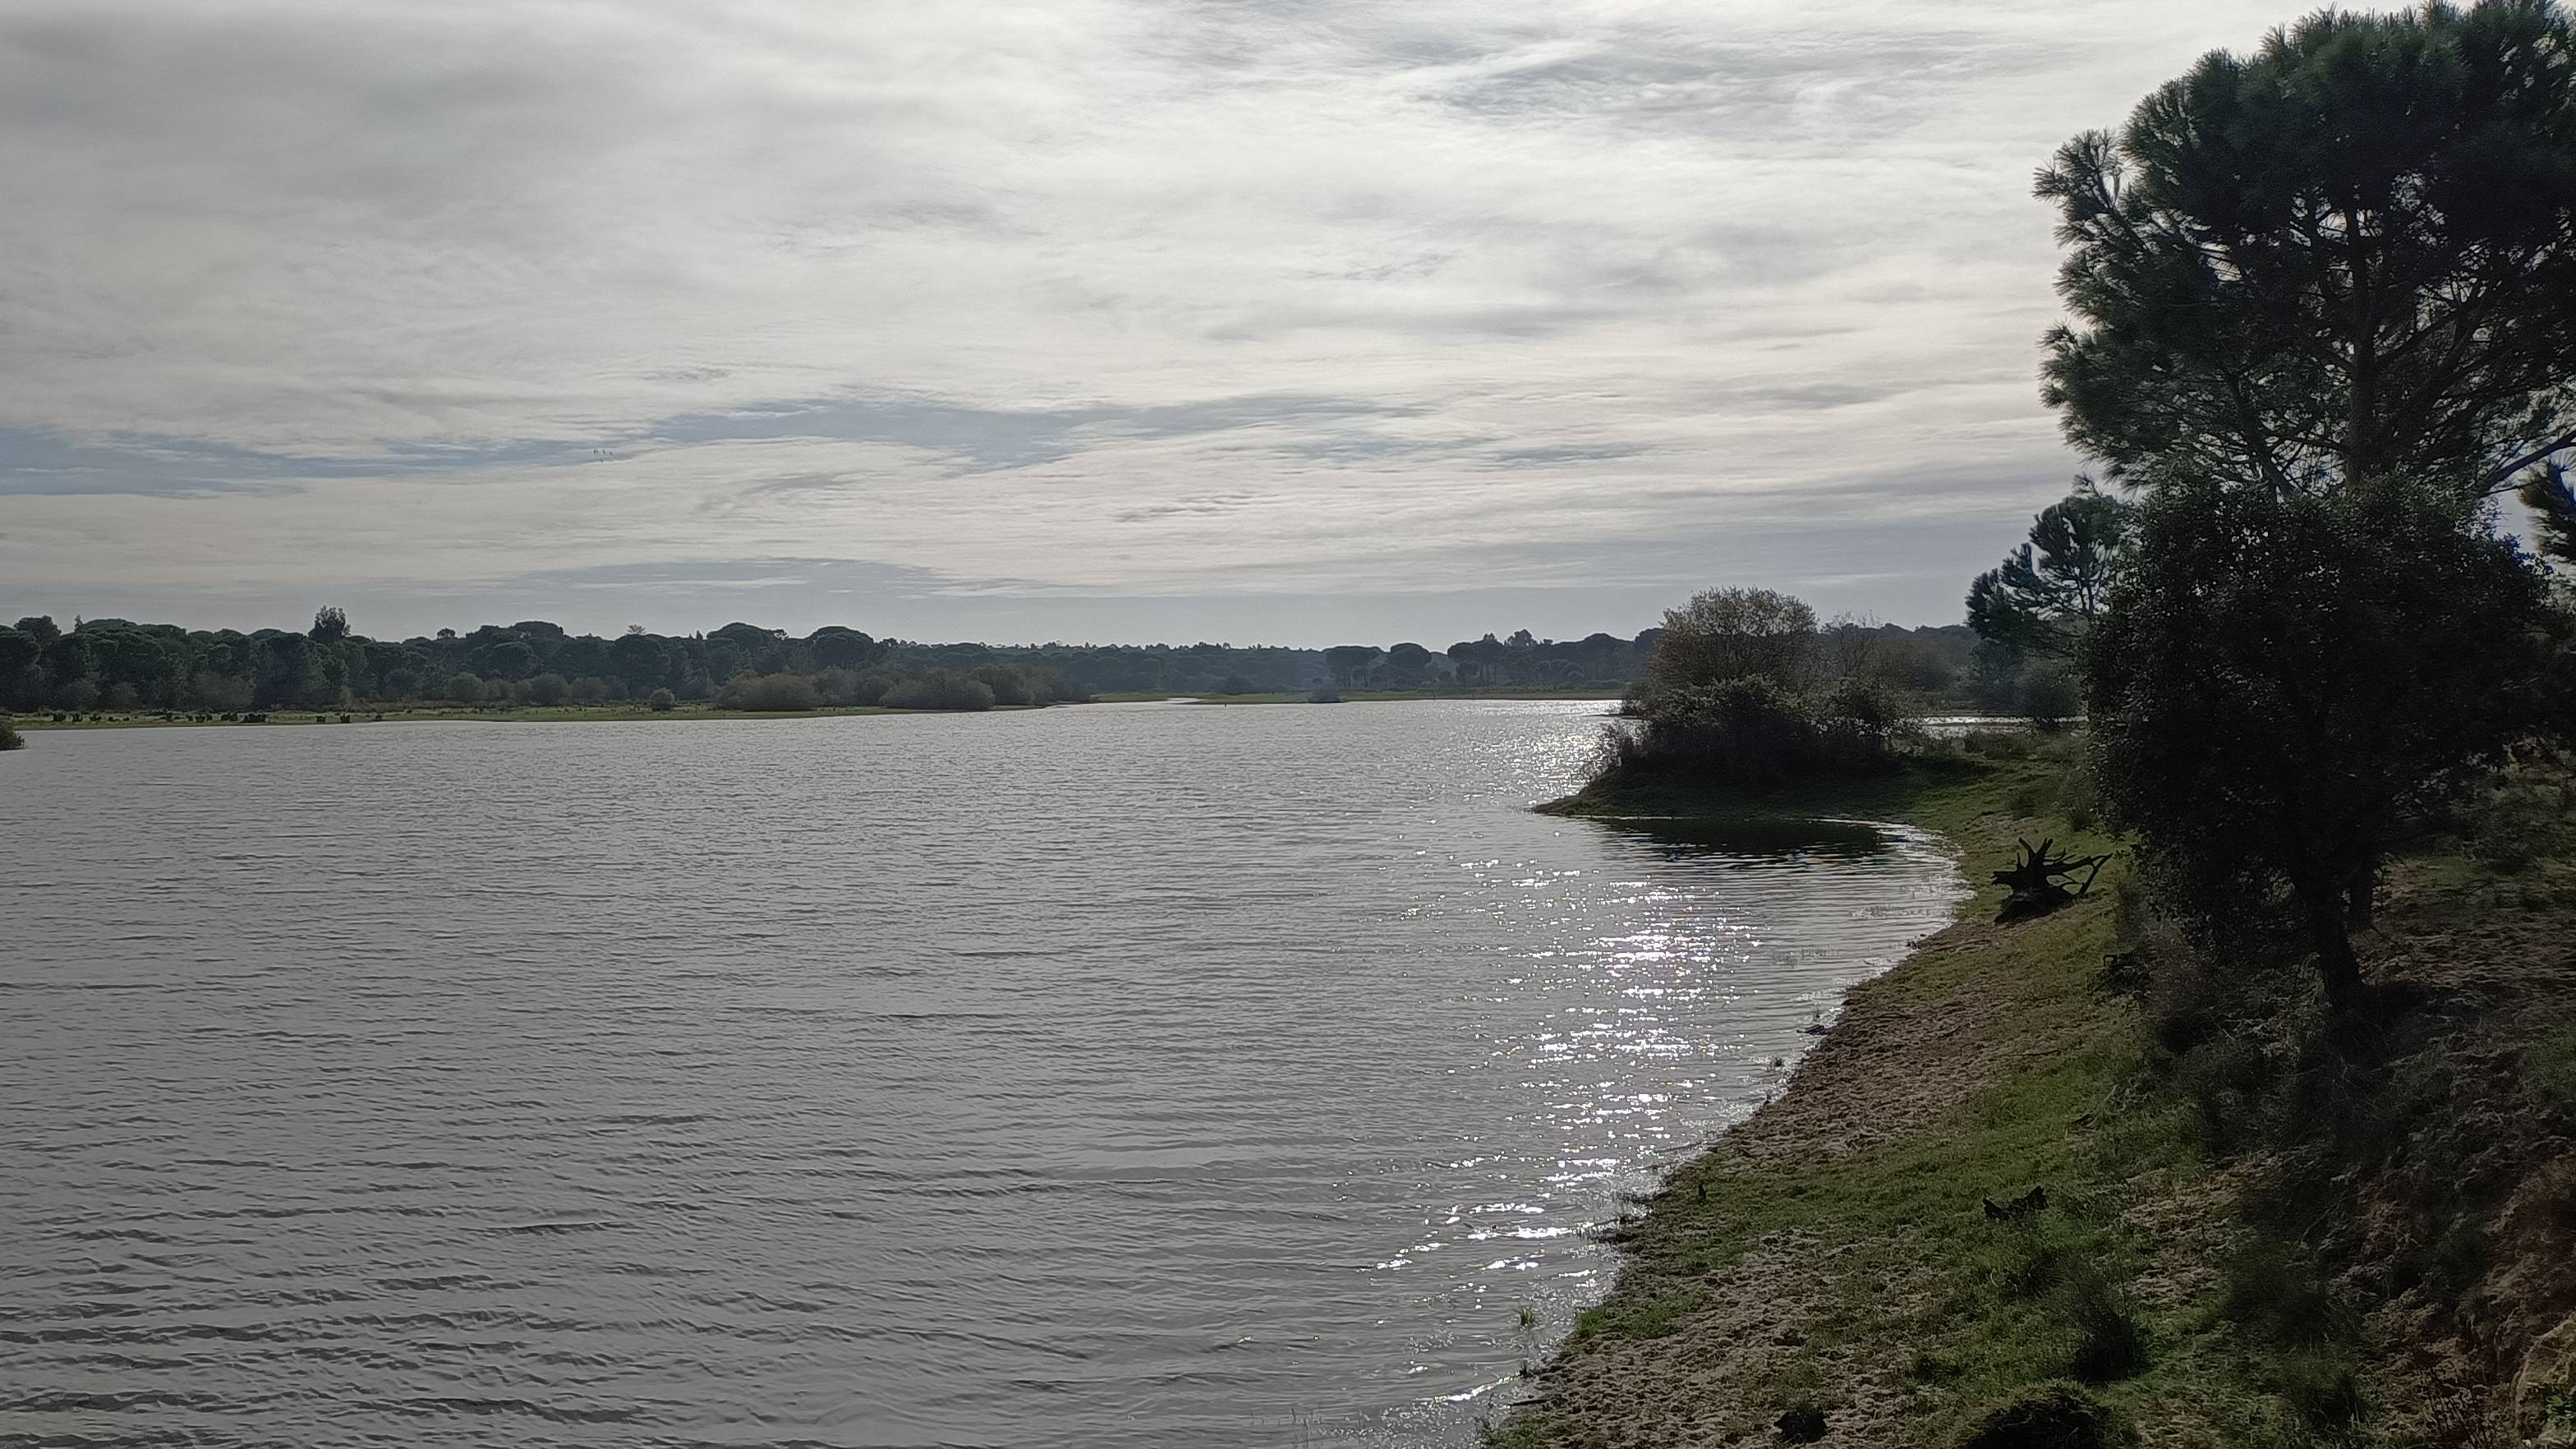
(1115, 1076)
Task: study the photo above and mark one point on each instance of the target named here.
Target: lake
(1115, 1075)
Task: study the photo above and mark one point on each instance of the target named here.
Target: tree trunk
(2359, 908)
(2337, 966)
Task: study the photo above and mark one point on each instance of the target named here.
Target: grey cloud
(1800, 397)
(35, 461)
(1203, 506)
(39, 461)
(1548, 277)
(990, 439)
(1558, 455)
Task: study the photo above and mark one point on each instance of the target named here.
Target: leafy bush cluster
(942, 689)
(1755, 730)
(1745, 688)
(769, 693)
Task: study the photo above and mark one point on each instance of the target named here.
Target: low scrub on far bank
(981, 688)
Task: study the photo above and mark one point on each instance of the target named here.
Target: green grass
(2549, 1070)
(2010, 1307)
(1620, 1318)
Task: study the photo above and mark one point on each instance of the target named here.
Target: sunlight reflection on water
(1119, 1076)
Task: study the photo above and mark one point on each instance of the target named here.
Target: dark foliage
(1800, 1424)
(940, 689)
(2049, 1416)
(1730, 634)
(1752, 731)
(2351, 255)
(769, 693)
(2047, 593)
(2553, 511)
(2282, 679)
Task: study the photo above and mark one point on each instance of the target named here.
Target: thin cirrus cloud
(1276, 318)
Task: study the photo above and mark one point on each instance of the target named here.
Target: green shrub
(2047, 1416)
(2322, 1387)
(10, 739)
(2034, 1258)
(2272, 1289)
(2518, 823)
(2051, 696)
(2549, 1070)
(769, 693)
(851, 686)
(2223, 1077)
(940, 689)
(1754, 730)
(1009, 685)
(2078, 798)
(2109, 1343)
(662, 701)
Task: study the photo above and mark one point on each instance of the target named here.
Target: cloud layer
(1146, 315)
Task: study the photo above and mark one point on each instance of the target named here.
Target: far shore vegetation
(2268, 1136)
(113, 671)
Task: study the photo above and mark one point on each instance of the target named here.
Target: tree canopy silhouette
(2352, 254)
(2046, 595)
(2282, 678)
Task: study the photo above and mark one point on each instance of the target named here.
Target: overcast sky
(1271, 321)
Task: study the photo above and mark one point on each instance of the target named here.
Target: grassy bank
(1829, 1272)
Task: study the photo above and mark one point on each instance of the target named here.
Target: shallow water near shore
(1118, 1075)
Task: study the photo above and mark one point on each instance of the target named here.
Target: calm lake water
(1121, 1075)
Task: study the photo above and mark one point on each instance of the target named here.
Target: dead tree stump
(2036, 880)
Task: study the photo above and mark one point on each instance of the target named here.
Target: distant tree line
(119, 665)
(116, 664)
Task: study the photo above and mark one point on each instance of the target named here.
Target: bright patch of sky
(1273, 320)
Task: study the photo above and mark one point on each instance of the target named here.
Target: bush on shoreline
(1745, 688)
(1754, 731)
(10, 739)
